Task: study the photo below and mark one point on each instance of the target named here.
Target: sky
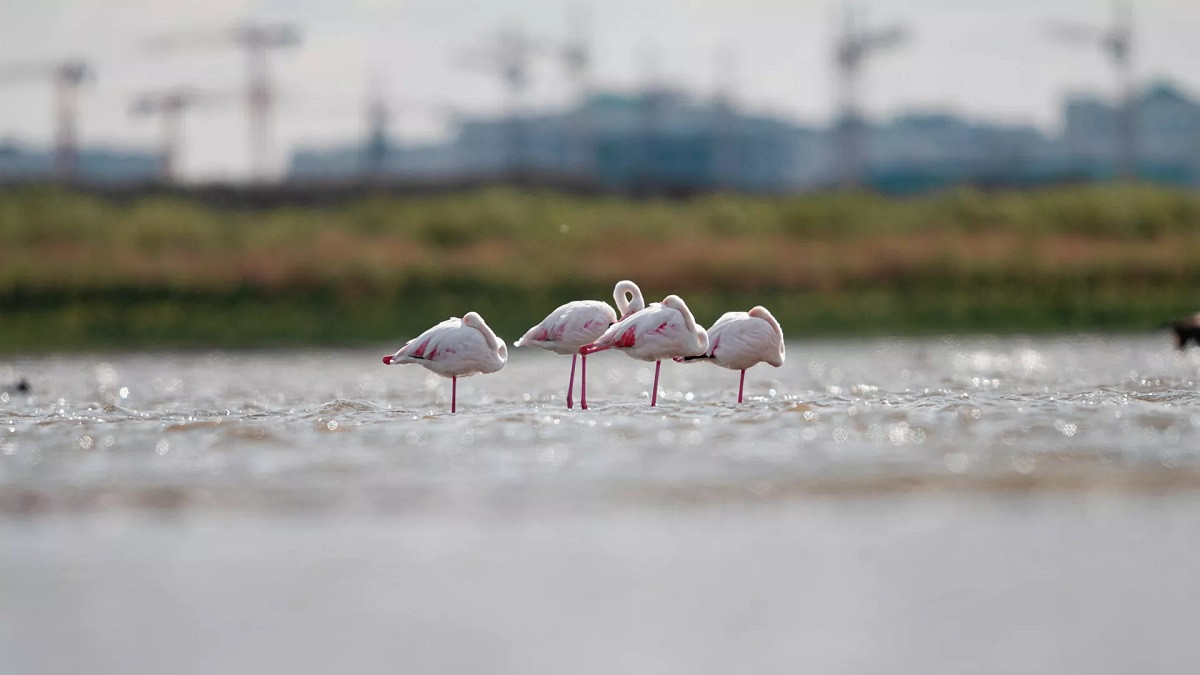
(988, 59)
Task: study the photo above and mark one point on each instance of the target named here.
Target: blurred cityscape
(663, 140)
(655, 138)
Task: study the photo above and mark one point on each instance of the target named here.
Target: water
(995, 504)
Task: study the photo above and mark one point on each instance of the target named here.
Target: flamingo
(739, 340)
(455, 348)
(661, 331)
(578, 323)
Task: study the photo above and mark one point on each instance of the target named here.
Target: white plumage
(570, 327)
(661, 331)
(740, 340)
(578, 323)
(455, 348)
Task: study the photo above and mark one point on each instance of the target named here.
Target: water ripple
(848, 417)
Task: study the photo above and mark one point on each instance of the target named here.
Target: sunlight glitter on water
(1017, 504)
(270, 429)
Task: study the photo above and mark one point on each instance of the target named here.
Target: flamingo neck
(688, 319)
(489, 336)
(761, 312)
(629, 298)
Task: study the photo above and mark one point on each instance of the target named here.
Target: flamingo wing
(570, 327)
(720, 327)
(428, 344)
(649, 335)
(742, 340)
(450, 349)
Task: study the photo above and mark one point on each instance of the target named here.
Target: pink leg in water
(654, 392)
(454, 394)
(583, 384)
(741, 385)
(571, 385)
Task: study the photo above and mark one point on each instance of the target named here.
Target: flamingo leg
(592, 349)
(654, 392)
(583, 384)
(571, 384)
(741, 385)
(454, 394)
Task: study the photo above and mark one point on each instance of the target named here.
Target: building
(379, 160)
(1166, 135)
(665, 141)
(921, 151)
(100, 166)
(658, 140)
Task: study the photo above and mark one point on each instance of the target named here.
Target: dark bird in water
(22, 386)
(1185, 330)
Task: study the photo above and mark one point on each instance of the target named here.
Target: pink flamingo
(661, 331)
(739, 340)
(455, 348)
(578, 323)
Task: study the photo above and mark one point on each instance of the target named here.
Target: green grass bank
(79, 271)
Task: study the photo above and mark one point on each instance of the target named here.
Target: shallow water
(946, 502)
(338, 430)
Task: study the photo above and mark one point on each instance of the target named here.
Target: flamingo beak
(387, 360)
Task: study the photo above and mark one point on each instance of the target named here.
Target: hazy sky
(987, 58)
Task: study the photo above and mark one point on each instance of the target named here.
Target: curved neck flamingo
(475, 321)
(761, 312)
(629, 298)
(676, 303)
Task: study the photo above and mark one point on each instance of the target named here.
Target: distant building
(103, 166)
(920, 151)
(431, 163)
(1166, 135)
(663, 140)
(660, 139)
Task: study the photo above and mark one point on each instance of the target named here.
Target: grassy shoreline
(80, 271)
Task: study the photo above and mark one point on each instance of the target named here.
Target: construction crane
(1117, 42)
(576, 50)
(377, 118)
(375, 152)
(726, 167)
(853, 46)
(379, 111)
(508, 54)
(652, 102)
(576, 55)
(380, 115)
(169, 105)
(67, 76)
(256, 40)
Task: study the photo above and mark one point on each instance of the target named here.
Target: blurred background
(361, 155)
(974, 188)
